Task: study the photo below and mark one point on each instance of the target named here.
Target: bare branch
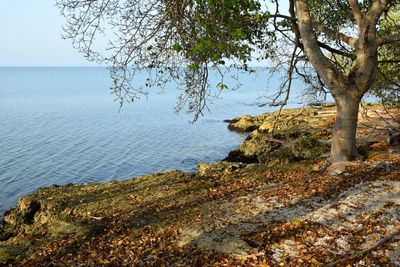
(388, 39)
(329, 73)
(336, 51)
(289, 85)
(355, 7)
(389, 61)
(335, 34)
(362, 253)
(376, 9)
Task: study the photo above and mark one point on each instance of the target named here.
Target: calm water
(61, 125)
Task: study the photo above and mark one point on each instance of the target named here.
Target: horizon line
(81, 66)
(53, 66)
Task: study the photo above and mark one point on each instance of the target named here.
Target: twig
(362, 253)
(385, 120)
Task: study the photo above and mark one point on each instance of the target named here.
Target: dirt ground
(301, 212)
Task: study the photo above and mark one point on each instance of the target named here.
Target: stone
(224, 167)
(10, 251)
(264, 148)
(244, 123)
(28, 207)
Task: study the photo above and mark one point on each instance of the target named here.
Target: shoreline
(257, 208)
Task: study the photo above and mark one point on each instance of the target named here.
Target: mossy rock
(280, 156)
(237, 155)
(218, 168)
(307, 148)
(7, 231)
(245, 123)
(294, 145)
(257, 145)
(308, 119)
(11, 251)
(282, 124)
(253, 150)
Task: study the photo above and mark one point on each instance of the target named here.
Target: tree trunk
(346, 89)
(344, 135)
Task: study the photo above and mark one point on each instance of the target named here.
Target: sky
(30, 32)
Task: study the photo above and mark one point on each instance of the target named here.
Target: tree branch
(336, 51)
(392, 38)
(362, 253)
(334, 34)
(389, 61)
(355, 7)
(376, 9)
(329, 73)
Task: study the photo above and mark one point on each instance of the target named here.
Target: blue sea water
(61, 125)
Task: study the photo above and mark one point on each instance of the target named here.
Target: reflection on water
(60, 125)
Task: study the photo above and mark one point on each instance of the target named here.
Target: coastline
(274, 201)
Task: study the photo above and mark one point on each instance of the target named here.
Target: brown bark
(346, 90)
(344, 135)
(330, 75)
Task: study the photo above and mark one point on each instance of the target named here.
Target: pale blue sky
(30, 33)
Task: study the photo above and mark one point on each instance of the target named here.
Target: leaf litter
(227, 214)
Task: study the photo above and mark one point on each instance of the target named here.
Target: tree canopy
(344, 47)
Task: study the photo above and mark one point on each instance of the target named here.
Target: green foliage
(217, 30)
(387, 85)
(180, 40)
(336, 16)
(222, 86)
(177, 48)
(333, 14)
(193, 67)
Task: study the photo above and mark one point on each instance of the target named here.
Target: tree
(335, 45)
(387, 86)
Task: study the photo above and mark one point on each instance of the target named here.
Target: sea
(61, 125)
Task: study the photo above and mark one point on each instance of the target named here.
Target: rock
(261, 148)
(394, 255)
(16, 218)
(343, 243)
(290, 248)
(302, 119)
(307, 148)
(245, 123)
(394, 139)
(256, 146)
(383, 165)
(27, 208)
(237, 155)
(294, 136)
(235, 246)
(224, 167)
(321, 104)
(253, 150)
(11, 217)
(10, 251)
(337, 170)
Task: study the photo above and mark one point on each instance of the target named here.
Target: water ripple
(64, 127)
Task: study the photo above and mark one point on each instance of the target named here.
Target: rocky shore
(274, 201)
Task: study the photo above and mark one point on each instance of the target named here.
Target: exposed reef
(275, 201)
